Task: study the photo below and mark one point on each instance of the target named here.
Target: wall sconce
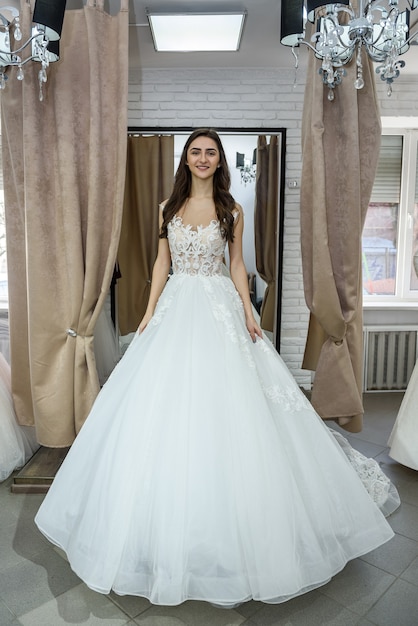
(247, 167)
(43, 43)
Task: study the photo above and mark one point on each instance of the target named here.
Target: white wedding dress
(202, 471)
(403, 440)
(17, 443)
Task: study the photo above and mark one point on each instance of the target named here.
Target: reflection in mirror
(260, 193)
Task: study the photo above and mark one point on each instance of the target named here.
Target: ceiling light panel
(196, 32)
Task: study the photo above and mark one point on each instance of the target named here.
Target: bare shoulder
(238, 212)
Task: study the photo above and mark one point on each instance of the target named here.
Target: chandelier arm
(36, 36)
(411, 38)
(350, 47)
(309, 45)
(380, 56)
(344, 9)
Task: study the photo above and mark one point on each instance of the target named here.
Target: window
(390, 234)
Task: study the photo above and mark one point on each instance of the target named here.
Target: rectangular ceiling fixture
(196, 32)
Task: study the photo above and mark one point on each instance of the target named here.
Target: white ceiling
(260, 46)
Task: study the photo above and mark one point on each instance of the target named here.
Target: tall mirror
(256, 159)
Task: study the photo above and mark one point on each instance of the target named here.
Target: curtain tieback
(73, 333)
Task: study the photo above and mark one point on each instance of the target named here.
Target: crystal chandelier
(247, 167)
(343, 32)
(41, 47)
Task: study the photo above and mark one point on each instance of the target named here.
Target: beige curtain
(341, 141)
(266, 224)
(64, 170)
(149, 181)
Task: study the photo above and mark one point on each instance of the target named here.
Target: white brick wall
(257, 98)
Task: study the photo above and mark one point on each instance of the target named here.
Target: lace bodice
(196, 251)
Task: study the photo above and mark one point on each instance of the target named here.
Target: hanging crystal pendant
(42, 78)
(20, 74)
(17, 32)
(359, 82)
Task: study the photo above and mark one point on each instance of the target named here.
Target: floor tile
(248, 609)
(399, 606)
(411, 573)
(190, 614)
(405, 521)
(131, 605)
(376, 430)
(380, 413)
(18, 544)
(43, 578)
(311, 609)
(408, 491)
(7, 618)
(367, 448)
(382, 404)
(394, 556)
(358, 586)
(81, 606)
(18, 505)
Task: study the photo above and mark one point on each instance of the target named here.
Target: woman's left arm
(239, 274)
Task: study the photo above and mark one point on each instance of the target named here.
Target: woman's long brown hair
(224, 202)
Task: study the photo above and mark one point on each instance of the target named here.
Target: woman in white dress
(17, 443)
(202, 471)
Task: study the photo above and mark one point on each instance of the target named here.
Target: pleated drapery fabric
(64, 172)
(266, 224)
(341, 141)
(149, 181)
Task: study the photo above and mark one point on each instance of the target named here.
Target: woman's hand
(144, 323)
(253, 328)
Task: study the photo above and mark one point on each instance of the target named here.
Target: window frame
(403, 296)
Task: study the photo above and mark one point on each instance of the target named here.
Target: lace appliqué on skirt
(289, 399)
(224, 315)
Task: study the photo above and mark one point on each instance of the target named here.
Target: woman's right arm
(158, 280)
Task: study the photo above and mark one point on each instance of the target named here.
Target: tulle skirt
(203, 472)
(17, 443)
(403, 440)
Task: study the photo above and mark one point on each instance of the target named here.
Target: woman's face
(203, 157)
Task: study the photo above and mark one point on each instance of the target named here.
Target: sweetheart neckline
(195, 228)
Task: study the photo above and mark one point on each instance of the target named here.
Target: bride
(202, 471)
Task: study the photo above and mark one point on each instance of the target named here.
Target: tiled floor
(37, 587)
